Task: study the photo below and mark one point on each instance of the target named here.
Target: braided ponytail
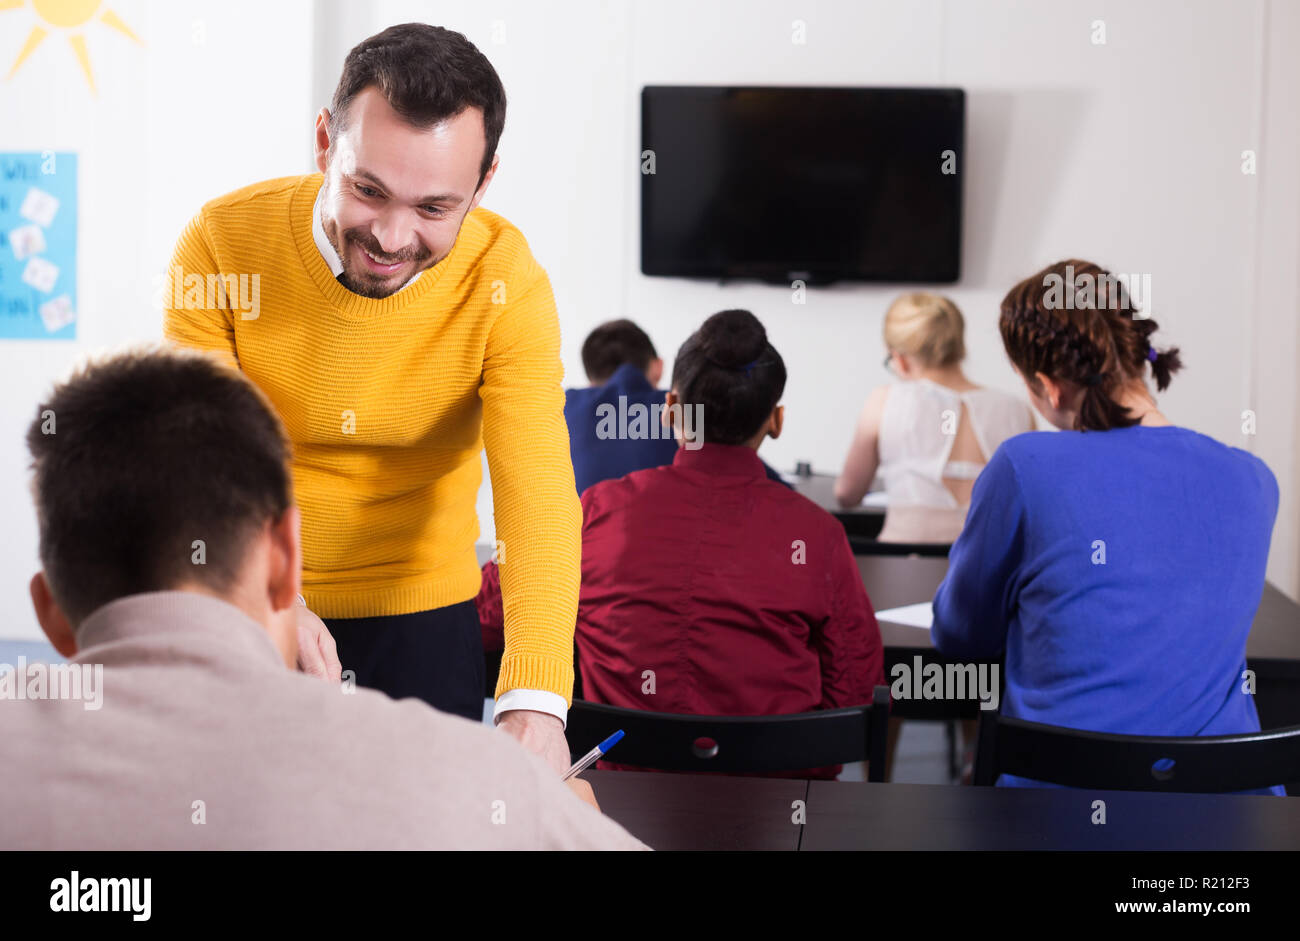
(1075, 322)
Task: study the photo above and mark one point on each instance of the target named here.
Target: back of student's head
(1075, 322)
(927, 327)
(139, 457)
(615, 344)
(730, 369)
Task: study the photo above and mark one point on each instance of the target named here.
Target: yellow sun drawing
(70, 16)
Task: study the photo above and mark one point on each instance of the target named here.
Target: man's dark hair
(614, 344)
(730, 368)
(427, 74)
(137, 456)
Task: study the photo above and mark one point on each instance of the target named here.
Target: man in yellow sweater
(399, 329)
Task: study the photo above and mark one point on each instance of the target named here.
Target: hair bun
(733, 338)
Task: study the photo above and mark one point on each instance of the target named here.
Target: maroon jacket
(738, 595)
(491, 613)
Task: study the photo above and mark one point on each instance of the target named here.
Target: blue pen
(589, 759)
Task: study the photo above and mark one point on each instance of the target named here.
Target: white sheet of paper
(910, 615)
(875, 498)
(57, 313)
(39, 207)
(41, 274)
(27, 240)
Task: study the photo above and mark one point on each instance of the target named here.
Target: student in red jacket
(621, 364)
(708, 588)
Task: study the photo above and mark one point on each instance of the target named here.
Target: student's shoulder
(1038, 442)
(408, 734)
(485, 790)
(777, 497)
(1213, 446)
(876, 399)
(873, 408)
(577, 396)
(1061, 452)
(1030, 446)
(1231, 459)
(616, 492)
(1032, 455)
(1256, 467)
(606, 392)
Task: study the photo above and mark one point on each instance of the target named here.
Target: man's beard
(367, 285)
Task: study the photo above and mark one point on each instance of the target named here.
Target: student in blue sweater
(1118, 562)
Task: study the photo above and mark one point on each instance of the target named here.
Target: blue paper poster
(38, 246)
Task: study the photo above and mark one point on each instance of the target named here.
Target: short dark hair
(427, 74)
(137, 456)
(730, 368)
(615, 344)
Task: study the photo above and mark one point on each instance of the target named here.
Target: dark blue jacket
(608, 439)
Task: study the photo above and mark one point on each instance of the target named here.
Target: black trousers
(433, 655)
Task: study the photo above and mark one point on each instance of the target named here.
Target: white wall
(1126, 153)
(1272, 312)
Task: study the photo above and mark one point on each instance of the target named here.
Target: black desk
(865, 521)
(894, 581)
(857, 816)
(1275, 632)
(1273, 652)
(701, 812)
(705, 812)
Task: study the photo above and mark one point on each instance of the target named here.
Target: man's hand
(583, 790)
(540, 733)
(317, 654)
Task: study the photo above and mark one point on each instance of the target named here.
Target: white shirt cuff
(535, 700)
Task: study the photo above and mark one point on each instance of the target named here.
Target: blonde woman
(928, 435)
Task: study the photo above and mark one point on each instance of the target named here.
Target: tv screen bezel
(772, 274)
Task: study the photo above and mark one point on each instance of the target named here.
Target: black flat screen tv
(813, 184)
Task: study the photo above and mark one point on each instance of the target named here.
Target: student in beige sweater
(171, 566)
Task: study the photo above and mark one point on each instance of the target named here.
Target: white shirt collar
(327, 250)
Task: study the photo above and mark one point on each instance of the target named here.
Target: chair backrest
(737, 744)
(929, 550)
(1075, 758)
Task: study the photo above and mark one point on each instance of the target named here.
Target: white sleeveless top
(917, 431)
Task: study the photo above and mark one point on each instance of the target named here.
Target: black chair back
(927, 550)
(737, 744)
(1194, 764)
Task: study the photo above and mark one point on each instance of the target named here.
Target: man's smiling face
(395, 195)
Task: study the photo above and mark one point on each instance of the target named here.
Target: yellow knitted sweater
(388, 403)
